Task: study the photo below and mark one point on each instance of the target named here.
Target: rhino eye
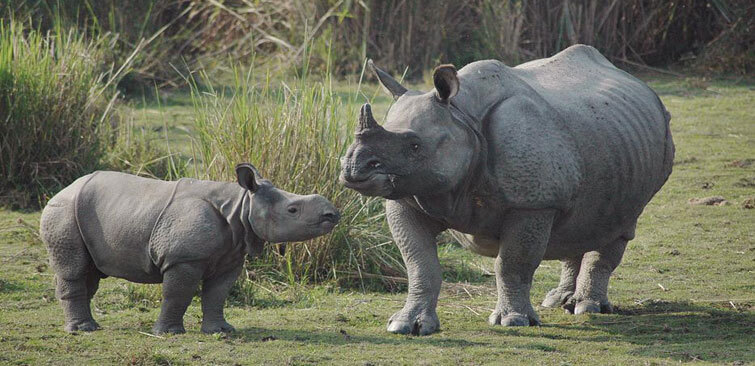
(292, 209)
(415, 147)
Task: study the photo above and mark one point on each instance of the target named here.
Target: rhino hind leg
(564, 292)
(214, 292)
(73, 266)
(179, 284)
(591, 295)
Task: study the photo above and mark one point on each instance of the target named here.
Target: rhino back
(620, 129)
(116, 213)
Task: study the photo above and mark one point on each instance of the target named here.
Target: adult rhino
(553, 159)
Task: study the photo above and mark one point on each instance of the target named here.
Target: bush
(295, 134)
(56, 109)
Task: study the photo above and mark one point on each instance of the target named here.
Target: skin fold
(179, 233)
(553, 159)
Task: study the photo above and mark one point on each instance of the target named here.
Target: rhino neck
(455, 207)
(253, 244)
(484, 86)
(235, 206)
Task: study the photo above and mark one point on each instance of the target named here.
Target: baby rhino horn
(366, 121)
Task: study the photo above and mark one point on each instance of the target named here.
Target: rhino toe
(420, 324)
(556, 298)
(512, 319)
(88, 325)
(588, 306)
(515, 320)
(217, 327)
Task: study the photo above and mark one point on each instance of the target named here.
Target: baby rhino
(177, 233)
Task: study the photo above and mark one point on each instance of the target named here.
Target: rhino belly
(116, 214)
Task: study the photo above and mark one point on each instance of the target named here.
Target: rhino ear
(446, 82)
(247, 176)
(387, 81)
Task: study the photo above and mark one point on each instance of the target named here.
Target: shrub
(56, 106)
(295, 134)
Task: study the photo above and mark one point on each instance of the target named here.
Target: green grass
(684, 293)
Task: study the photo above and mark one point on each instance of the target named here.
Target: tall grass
(56, 105)
(420, 34)
(295, 132)
(398, 34)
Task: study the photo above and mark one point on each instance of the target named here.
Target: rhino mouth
(328, 222)
(377, 184)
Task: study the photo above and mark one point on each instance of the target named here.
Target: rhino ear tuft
(446, 82)
(387, 81)
(247, 176)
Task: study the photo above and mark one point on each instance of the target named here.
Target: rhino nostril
(331, 216)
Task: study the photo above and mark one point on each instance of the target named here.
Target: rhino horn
(366, 121)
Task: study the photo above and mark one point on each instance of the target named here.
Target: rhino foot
(415, 322)
(217, 327)
(160, 328)
(88, 325)
(577, 307)
(556, 298)
(512, 319)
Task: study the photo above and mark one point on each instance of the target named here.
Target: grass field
(685, 291)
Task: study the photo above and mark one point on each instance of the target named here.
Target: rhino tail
(669, 149)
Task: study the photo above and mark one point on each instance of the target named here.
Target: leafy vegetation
(56, 108)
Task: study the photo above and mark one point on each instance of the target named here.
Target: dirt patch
(688, 160)
(749, 203)
(709, 201)
(744, 163)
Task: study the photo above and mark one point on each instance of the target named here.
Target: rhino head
(421, 149)
(278, 216)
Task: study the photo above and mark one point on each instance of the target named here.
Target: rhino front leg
(524, 239)
(214, 292)
(179, 284)
(415, 233)
(591, 295)
(563, 293)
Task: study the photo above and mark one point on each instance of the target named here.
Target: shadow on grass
(10, 286)
(339, 338)
(681, 331)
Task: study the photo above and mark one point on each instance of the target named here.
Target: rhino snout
(327, 215)
(358, 172)
(331, 216)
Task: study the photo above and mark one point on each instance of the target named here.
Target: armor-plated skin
(176, 233)
(552, 159)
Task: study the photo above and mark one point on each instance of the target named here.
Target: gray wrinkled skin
(552, 159)
(176, 233)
